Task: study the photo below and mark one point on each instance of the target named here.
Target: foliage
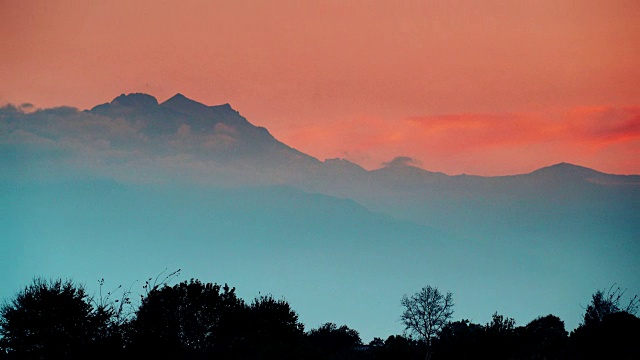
(610, 329)
(604, 304)
(545, 337)
(500, 325)
(458, 340)
(51, 319)
(400, 347)
(330, 341)
(193, 320)
(376, 342)
(189, 318)
(274, 330)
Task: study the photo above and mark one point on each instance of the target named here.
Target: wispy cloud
(486, 144)
(602, 126)
(605, 138)
(402, 161)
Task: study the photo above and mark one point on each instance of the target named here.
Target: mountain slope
(279, 240)
(229, 135)
(135, 185)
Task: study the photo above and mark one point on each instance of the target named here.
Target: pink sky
(479, 87)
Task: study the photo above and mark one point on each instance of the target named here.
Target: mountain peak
(566, 167)
(181, 99)
(182, 103)
(565, 170)
(135, 100)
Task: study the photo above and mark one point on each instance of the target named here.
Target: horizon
(27, 107)
(487, 88)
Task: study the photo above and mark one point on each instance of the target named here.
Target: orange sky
(480, 87)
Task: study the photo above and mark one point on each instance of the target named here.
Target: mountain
(134, 138)
(133, 186)
(217, 135)
(560, 198)
(565, 172)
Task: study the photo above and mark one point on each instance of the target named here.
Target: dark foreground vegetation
(192, 320)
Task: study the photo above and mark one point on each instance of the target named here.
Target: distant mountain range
(135, 184)
(231, 137)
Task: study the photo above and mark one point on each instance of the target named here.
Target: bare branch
(426, 312)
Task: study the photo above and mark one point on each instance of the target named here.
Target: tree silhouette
(332, 342)
(376, 342)
(604, 304)
(426, 312)
(189, 320)
(610, 329)
(50, 319)
(499, 338)
(400, 347)
(274, 329)
(56, 319)
(458, 340)
(544, 337)
(500, 325)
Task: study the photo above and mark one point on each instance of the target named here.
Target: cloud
(402, 161)
(484, 144)
(605, 138)
(59, 142)
(82, 142)
(222, 128)
(604, 125)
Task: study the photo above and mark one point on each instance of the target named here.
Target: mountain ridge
(160, 182)
(221, 140)
(183, 104)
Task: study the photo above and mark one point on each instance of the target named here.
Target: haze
(487, 88)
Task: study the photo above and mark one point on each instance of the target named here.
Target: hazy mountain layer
(133, 186)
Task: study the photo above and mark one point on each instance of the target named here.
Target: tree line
(58, 319)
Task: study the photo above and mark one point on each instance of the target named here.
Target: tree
(190, 319)
(50, 319)
(500, 325)
(499, 339)
(274, 330)
(331, 342)
(400, 347)
(610, 328)
(376, 342)
(426, 312)
(459, 340)
(604, 304)
(114, 309)
(545, 337)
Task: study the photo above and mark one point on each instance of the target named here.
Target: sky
(487, 88)
(476, 87)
